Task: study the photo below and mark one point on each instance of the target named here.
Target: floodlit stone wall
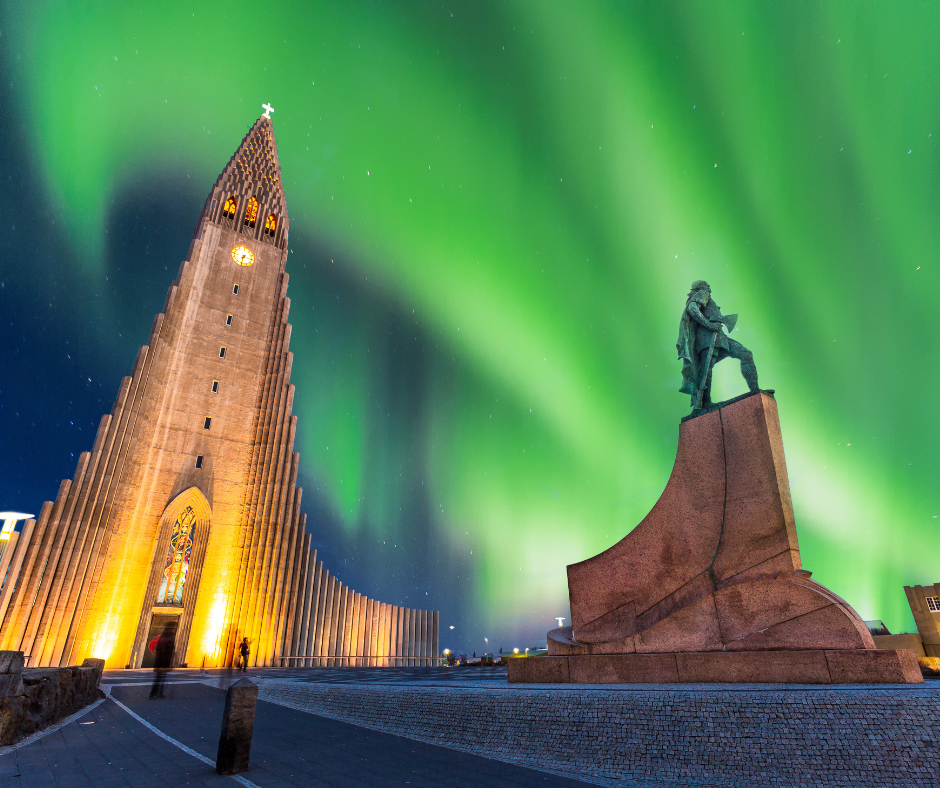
(34, 698)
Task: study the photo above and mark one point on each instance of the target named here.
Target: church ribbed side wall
(293, 612)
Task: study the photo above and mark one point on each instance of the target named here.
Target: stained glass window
(270, 225)
(177, 559)
(228, 210)
(251, 215)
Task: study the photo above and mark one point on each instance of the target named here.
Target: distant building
(925, 605)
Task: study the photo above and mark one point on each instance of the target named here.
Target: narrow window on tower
(199, 461)
(228, 210)
(228, 320)
(270, 225)
(215, 387)
(251, 215)
(235, 290)
(207, 424)
(221, 352)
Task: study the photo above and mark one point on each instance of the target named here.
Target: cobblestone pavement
(728, 735)
(436, 676)
(415, 726)
(109, 747)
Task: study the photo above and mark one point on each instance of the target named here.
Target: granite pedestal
(709, 585)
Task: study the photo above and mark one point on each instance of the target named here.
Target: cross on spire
(267, 108)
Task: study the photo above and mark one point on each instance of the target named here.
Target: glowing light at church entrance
(177, 559)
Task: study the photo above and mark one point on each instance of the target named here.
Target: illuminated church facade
(186, 512)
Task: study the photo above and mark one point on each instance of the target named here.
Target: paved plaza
(385, 727)
(108, 746)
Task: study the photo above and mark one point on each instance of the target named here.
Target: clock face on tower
(243, 255)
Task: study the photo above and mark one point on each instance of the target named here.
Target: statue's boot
(715, 565)
(749, 370)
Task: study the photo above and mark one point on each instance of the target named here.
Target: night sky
(496, 212)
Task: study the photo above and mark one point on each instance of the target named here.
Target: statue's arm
(699, 318)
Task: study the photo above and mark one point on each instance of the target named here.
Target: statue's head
(699, 286)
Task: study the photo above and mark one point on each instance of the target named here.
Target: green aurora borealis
(496, 212)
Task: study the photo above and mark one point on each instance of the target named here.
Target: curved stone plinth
(715, 566)
(820, 666)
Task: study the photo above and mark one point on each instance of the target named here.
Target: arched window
(228, 210)
(251, 215)
(270, 225)
(177, 559)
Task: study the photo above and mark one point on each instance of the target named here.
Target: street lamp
(559, 619)
(10, 519)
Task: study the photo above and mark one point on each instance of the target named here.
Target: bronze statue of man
(702, 343)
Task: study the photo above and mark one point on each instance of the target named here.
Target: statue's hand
(716, 327)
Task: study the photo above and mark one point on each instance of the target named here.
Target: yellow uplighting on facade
(105, 639)
(212, 634)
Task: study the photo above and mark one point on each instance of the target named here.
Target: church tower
(186, 512)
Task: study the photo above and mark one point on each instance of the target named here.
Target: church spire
(248, 196)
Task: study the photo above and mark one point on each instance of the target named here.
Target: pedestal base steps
(849, 666)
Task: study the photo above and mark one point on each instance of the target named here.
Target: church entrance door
(158, 623)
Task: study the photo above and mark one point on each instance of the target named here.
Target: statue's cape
(685, 345)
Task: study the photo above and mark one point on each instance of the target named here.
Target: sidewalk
(108, 747)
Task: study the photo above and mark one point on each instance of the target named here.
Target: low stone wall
(34, 698)
(912, 641)
(682, 736)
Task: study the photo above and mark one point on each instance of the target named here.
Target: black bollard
(238, 722)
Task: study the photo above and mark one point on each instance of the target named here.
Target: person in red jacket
(162, 648)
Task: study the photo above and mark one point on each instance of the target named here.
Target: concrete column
(354, 630)
(316, 625)
(336, 627)
(310, 625)
(367, 633)
(435, 634)
(412, 622)
(419, 642)
(374, 634)
(330, 639)
(360, 629)
(323, 638)
(400, 620)
(383, 634)
(393, 639)
(347, 626)
(427, 637)
(423, 638)
(301, 601)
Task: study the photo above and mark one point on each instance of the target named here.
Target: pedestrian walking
(244, 649)
(162, 648)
